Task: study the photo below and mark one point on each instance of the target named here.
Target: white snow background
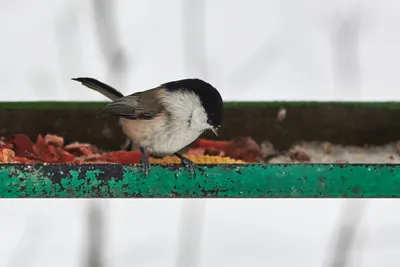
(258, 50)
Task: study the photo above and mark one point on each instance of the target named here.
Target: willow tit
(166, 119)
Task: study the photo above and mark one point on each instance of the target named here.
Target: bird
(165, 119)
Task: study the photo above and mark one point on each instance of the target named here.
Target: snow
(44, 43)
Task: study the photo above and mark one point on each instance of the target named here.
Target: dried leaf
(22, 145)
(54, 140)
(121, 157)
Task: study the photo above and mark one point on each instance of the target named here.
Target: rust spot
(70, 191)
(356, 190)
(322, 183)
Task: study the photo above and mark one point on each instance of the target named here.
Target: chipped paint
(211, 181)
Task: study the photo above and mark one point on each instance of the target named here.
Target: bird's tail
(100, 87)
(107, 91)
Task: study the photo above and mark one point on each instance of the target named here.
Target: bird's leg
(128, 145)
(186, 162)
(145, 162)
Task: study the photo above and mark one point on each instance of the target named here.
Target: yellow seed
(7, 155)
(197, 160)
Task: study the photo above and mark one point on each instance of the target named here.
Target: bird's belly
(157, 138)
(163, 145)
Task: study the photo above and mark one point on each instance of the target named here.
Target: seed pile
(19, 148)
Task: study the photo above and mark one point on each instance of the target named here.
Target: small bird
(164, 120)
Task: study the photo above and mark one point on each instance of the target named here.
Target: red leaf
(246, 149)
(196, 151)
(121, 157)
(51, 154)
(211, 144)
(54, 140)
(23, 145)
(66, 157)
(243, 148)
(81, 149)
(24, 160)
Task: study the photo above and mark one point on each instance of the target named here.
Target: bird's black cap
(209, 97)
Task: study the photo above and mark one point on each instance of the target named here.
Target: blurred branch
(190, 232)
(194, 36)
(95, 229)
(195, 63)
(345, 49)
(109, 43)
(195, 58)
(346, 233)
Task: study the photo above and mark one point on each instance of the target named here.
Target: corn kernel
(197, 159)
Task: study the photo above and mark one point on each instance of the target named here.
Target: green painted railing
(209, 181)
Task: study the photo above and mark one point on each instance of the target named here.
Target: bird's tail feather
(107, 91)
(100, 87)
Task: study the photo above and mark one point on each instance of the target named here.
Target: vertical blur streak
(194, 37)
(95, 235)
(345, 45)
(109, 43)
(346, 233)
(195, 64)
(190, 232)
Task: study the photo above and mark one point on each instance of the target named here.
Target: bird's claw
(146, 165)
(187, 163)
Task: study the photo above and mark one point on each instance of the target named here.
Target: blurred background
(250, 50)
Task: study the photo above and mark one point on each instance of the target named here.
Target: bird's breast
(160, 136)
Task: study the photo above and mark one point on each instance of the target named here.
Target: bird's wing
(142, 106)
(100, 87)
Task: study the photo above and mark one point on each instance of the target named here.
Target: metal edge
(209, 181)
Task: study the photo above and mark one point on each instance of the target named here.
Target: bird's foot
(187, 163)
(146, 166)
(145, 163)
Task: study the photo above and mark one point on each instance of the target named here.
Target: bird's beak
(215, 131)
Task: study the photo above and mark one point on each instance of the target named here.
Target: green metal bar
(209, 181)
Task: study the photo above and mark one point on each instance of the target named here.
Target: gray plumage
(138, 106)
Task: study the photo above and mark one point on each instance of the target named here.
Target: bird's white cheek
(199, 120)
